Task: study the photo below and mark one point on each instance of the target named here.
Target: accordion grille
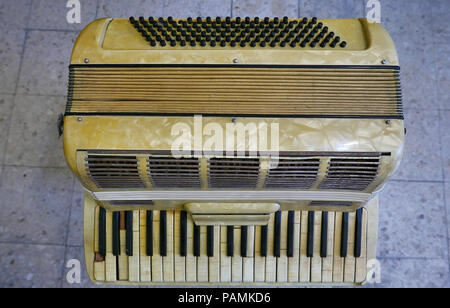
(351, 173)
(294, 174)
(233, 173)
(169, 172)
(113, 172)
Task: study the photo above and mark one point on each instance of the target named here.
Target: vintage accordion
(298, 206)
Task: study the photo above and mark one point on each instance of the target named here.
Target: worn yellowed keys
(282, 262)
(293, 262)
(327, 262)
(111, 266)
(133, 261)
(316, 260)
(99, 262)
(180, 262)
(214, 262)
(349, 262)
(123, 258)
(338, 262)
(248, 262)
(225, 260)
(305, 262)
(191, 260)
(236, 261)
(145, 261)
(202, 261)
(271, 261)
(260, 262)
(157, 265)
(168, 266)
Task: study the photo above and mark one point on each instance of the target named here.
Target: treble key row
(326, 245)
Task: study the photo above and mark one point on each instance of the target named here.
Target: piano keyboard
(165, 247)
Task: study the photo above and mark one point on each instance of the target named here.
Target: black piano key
(290, 239)
(102, 232)
(358, 233)
(129, 233)
(116, 233)
(210, 241)
(310, 244)
(324, 236)
(277, 235)
(183, 234)
(344, 235)
(196, 241)
(230, 241)
(244, 239)
(264, 230)
(163, 233)
(150, 233)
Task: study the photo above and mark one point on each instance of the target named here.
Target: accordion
(232, 151)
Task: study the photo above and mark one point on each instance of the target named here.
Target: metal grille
(170, 172)
(109, 172)
(293, 174)
(351, 173)
(233, 173)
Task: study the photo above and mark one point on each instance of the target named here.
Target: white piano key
(168, 266)
(349, 262)
(157, 263)
(236, 261)
(316, 260)
(282, 262)
(260, 262)
(133, 261)
(338, 262)
(327, 263)
(304, 265)
(202, 261)
(225, 260)
(191, 260)
(180, 262)
(145, 261)
(271, 261)
(110, 260)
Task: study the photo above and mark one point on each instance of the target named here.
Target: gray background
(41, 203)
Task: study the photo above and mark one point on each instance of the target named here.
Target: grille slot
(351, 173)
(170, 172)
(293, 174)
(109, 172)
(233, 173)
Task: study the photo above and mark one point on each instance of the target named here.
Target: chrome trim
(230, 195)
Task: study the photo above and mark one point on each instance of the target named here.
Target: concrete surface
(40, 201)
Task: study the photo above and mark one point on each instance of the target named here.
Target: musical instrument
(245, 151)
